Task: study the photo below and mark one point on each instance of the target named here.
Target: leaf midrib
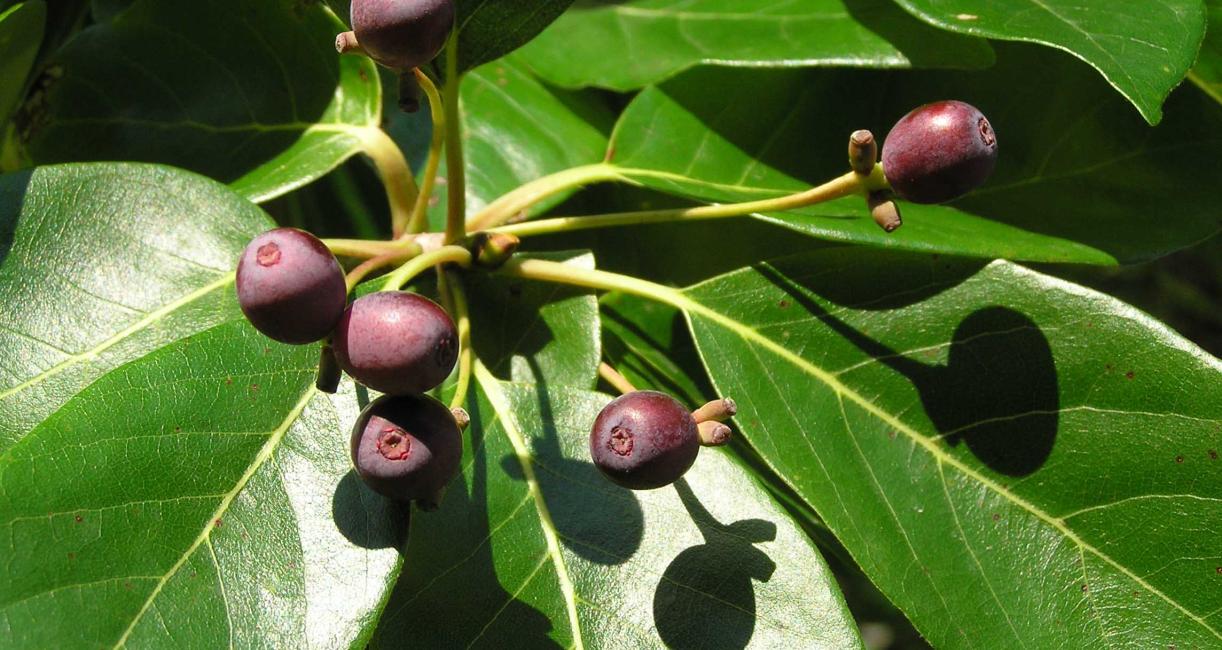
(504, 410)
(690, 306)
(265, 453)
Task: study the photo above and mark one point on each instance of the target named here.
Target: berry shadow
(596, 519)
(366, 518)
(449, 593)
(998, 393)
(720, 570)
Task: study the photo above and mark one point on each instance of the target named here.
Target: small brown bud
(461, 417)
(718, 410)
(493, 249)
(885, 211)
(863, 152)
(346, 44)
(714, 434)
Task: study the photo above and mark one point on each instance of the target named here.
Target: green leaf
(631, 44)
(1142, 47)
(517, 130)
(73, 240)
(1035, 474)
(1092, 190)
(533, 545)
(536, 333)
(648, 342)
(248, 93)
(166, 472)
(21, 28)
(1207, 74)
(490, 29)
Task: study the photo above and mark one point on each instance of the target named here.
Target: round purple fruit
(939, 152)
(290, 286)
(644, 440)
(396, 342)
(407, 448)
(402, 34)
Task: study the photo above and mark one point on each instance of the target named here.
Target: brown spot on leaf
(1130, 374)
(1179, 459)
(217, 522)
(1213, 454)
(79, 519)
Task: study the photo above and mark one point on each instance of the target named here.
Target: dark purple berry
(407, 447)
(939, 152)
(644, 440)
(290, 286)
(402, 34)
(396, 342)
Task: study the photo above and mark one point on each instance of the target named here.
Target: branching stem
(417, 265)
(510, 205)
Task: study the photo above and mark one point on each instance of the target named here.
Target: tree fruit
(644, 440)
(396, 342)
(407, 448)
(402, 34)
(290, 286)
(939, 152)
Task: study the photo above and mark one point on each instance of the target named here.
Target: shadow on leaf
(365, 517)
(706, 598)
(998, 393)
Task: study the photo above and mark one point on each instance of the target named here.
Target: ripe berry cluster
(407, 445)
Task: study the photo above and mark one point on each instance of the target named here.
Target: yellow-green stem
(508, 206)
(617, 380)
(366, 249)
(362, 270)
(456, 177)
(419, 218)
(850, 183)
(456, 298)
(395, 174)
(417, 265)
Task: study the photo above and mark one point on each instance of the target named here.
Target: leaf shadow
(722, 570)
(998, 393)
(13, 189)
(609, 532)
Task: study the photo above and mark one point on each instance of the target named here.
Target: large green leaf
(631, 44)
(1042, 473)
(1208, 70)
(166, 473)
(533, 548)
(1093, 189)
(21, 28)
(537, 333)
(490, 29)
(250, 93)
(1142, 47)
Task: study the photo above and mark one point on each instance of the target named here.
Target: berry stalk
(417, 265)
(419, 218)
(615, 378)
(846, 185)
(455, 299)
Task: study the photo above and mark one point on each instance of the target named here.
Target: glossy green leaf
(490, 29)
(533, 548)
(21, 28)
(248, 93)
(72, 240)
(634, 43)
(1093, 190)
(166, 473)
(1207, 74)
(536, 333)
(1042, 473)
(1142, 47)
(517, 130)
(648, 342)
